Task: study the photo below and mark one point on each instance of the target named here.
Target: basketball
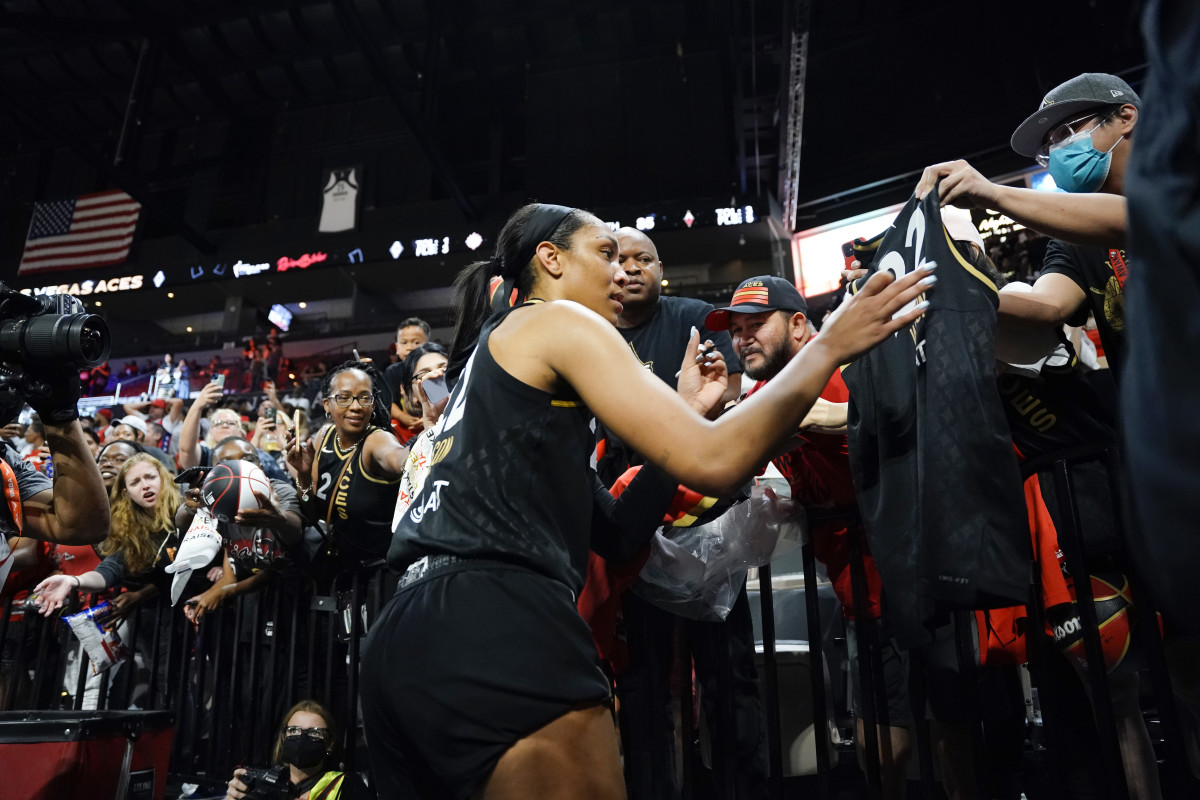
(1116, 616)
(230, 488)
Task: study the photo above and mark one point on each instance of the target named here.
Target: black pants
(724, 659)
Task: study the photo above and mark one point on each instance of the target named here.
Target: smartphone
(219, 379)
(270, 413)
(435, 389)
(193, 475)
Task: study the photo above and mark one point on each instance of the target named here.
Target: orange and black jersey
(357, 505)
(938, 484)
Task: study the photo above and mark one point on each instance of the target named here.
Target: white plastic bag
(697, 572)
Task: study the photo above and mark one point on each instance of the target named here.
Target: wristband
(77, 583)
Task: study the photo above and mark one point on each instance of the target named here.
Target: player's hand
(865, 319)
(961, 185)
(703, 375)
(236, 789)
(52, 593)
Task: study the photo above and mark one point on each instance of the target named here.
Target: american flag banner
(90, 231)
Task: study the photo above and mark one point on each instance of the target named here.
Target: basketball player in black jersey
(479, 678)
(349, 473)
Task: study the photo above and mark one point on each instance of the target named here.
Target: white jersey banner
(339, 204)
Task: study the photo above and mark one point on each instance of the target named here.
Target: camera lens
(79, 339)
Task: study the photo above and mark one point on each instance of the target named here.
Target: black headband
(541, 226)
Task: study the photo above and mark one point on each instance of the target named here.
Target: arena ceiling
(201, 108)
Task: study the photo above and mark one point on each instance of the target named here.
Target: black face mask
(302, 751)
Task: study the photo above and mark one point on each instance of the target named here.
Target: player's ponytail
(529, 226)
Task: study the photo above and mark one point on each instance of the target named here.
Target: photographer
(303, 755)
(74, 508)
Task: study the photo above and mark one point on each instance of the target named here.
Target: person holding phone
(349, 473)
(479, 675)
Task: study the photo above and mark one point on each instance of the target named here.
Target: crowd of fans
(363, 474)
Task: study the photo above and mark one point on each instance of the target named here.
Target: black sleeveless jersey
(358, 505)
(930, 452)
(510, 479)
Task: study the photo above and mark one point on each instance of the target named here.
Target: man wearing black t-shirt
(1083, 132)
(658, 328)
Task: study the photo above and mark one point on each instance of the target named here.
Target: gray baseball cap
(1068, 100)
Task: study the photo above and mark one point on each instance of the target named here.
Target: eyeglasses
(320, 734)
(344, 400)
(1059, 135)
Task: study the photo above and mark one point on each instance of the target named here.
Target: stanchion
(686, 710)
(771, 675)
(864, 634)
(350, 729)
(816, 659)
(1071, 543)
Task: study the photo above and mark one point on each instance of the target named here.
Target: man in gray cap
(1082, 132)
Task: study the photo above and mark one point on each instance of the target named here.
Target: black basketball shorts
(460, 666)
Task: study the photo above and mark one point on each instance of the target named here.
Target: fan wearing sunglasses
(306, 747)
(349, 473)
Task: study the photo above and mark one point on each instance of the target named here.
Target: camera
(48, 332)
(51, 329)
(269, 784)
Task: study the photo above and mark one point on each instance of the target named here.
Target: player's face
(591, 272)
(354, 386)
(409, 339)
(143, 484)
(643, 270)
(761, 342)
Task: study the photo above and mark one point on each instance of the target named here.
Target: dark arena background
(264, 190)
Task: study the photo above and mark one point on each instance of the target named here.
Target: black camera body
(269, 784)
(48, 333)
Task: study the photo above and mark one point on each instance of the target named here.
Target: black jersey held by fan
(933, 463)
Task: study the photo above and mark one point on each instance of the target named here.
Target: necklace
(341, 446)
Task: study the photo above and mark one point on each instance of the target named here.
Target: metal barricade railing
(229, 679)
(1175, 769)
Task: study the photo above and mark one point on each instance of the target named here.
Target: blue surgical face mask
(1077, 166)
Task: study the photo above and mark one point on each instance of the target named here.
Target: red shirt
(817, 469)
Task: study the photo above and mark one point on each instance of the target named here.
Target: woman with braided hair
(349, 473)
